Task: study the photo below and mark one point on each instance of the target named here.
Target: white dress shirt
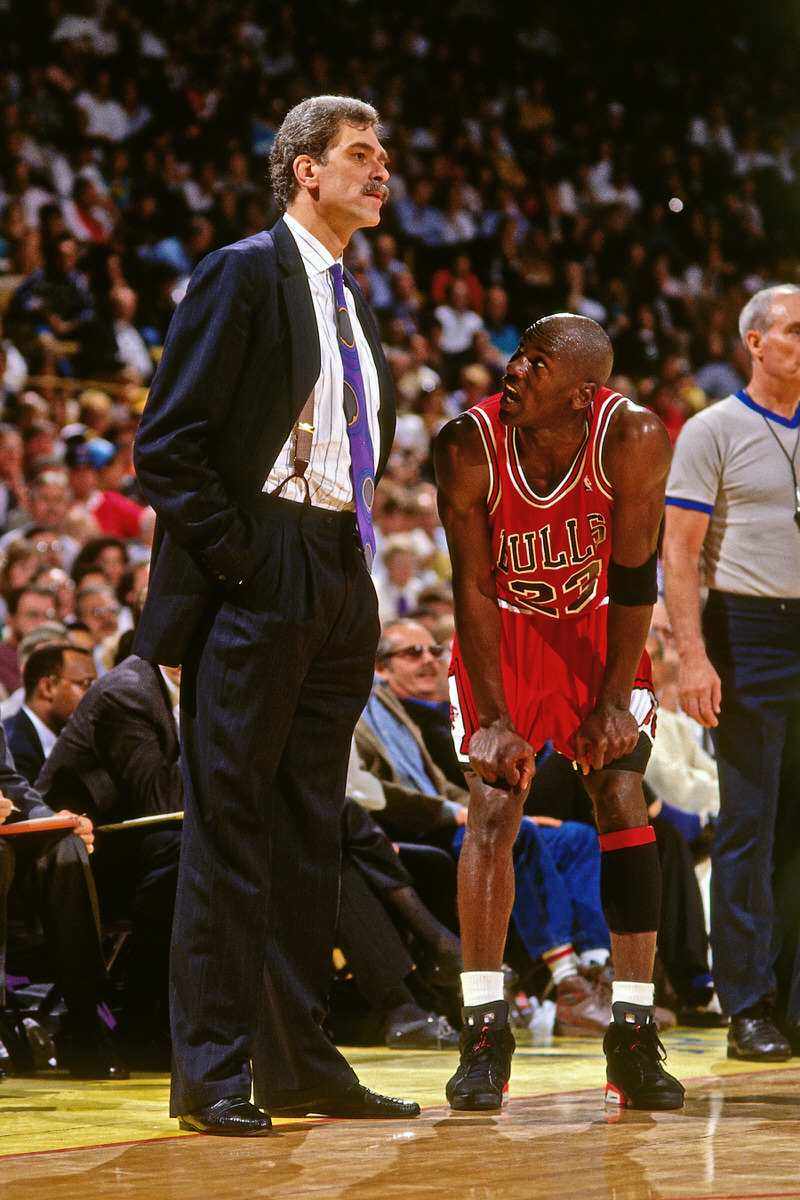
(328, 471)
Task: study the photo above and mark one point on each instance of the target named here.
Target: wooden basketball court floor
(738, 1137)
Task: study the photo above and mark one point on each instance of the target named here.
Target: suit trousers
(754, 645)
(270, 694)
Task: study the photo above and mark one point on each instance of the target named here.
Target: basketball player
(551, 495)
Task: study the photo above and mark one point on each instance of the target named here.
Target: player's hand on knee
(607, 733)
(502, 758)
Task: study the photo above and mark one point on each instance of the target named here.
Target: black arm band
(632, 586)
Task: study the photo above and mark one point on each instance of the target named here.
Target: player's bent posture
(551, 495)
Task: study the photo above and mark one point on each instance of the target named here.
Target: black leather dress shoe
(792, 1034)
(230, 1117)
(354, 1101)
(429, 1033)
(752, 1036)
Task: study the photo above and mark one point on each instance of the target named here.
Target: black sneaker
(634, 1074)
(487, 1044)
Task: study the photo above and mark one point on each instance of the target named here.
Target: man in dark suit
(118, 758)
(261, 590)
(55, 678)
(47, 875)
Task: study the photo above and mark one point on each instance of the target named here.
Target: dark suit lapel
(296, 294)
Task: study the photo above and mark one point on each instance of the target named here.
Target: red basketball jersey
(550, 552)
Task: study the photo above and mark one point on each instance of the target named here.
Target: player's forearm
(627, 633)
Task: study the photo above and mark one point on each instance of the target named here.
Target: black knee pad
(630, 880)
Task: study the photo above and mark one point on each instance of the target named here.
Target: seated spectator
(118, 757)
(87, 213)
(459, 323)
(97, 606)
(503, 334)
(398, 580)
(21, 563)
(47, 506)
(380, 913)
(381, 272)
(681, 773)
(106, 553)
(13, 486)
(42, 635)
(460, 268)
(28, 607)
(557, 910)
(47, 878)
(474, 385)
(52, 304)
(416, 374)
(93, 476)
(132, 351)
(55, 677)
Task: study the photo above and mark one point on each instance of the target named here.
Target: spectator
(97, 606)
(459, 324)
(119, 754)
(52, 304)
(94, 470)
(55, 677)
(28, 607)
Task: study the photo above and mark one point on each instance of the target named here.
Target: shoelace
(483, 1041)
(646, 1034)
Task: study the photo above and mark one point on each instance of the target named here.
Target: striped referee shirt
(328, 472)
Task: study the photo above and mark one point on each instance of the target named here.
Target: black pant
(136, 875)
(270, 695)
(47, 877)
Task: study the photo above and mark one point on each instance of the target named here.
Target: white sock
(643, 994)
(594, 958)
(562, 962)
(481, 987)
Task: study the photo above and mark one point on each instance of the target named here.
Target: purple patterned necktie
(362, 461)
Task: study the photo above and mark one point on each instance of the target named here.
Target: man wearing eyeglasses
(97, 606)
(55, 679)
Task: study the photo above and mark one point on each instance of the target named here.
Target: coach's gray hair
(310, 128)
(757, 313)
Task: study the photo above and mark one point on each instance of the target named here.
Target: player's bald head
(577, 340)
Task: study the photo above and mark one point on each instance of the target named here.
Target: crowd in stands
(555, 160)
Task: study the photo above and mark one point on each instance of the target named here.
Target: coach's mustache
(377, 189)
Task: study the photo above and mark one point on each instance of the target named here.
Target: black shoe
(753, 1037)
(229, 1117)
(19, 1057)
(429, 1033)
(487, 1046)
(634, 1074)
(89, 1050)
(791, 1031)
(354, 1101)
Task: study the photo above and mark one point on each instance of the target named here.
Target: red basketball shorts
(552, 671)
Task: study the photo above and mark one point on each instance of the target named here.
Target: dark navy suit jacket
(241, 357)
(25, 745)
